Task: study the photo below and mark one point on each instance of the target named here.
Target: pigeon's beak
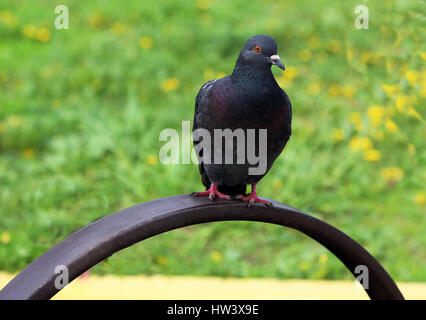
(275, 59)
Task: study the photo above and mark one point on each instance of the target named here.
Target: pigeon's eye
(257, 49)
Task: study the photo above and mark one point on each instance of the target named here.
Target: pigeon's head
(260, 52)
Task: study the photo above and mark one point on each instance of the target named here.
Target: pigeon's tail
(239, 189)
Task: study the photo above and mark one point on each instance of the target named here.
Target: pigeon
(249, 98)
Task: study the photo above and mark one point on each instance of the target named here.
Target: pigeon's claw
(212, 193)
(252, 198)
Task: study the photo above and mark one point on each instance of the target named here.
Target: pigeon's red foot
(212, 193)
(253, 198)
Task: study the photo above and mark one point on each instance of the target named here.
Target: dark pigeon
(249, 98)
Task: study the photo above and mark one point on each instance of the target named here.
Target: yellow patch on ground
(199, 288)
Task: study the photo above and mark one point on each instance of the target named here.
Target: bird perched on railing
(249, 99)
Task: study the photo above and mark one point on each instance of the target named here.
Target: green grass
(81, 111)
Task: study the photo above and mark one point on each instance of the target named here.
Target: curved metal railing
(100, 239)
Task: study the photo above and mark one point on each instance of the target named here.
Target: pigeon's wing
(204, 89)
(198, 100)
(201, 104)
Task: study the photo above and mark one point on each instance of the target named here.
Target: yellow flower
(96, 84)
(216, 256)
(277, 184)
(384, 29)
(334, 90)
(392, 174)
(28, 153)
(18, 83)
(286, 78)
(208, 75)
(348, 91)
(118, 28)
(338, 134)
(29, 31)
(359, 127)
(389, 66)
(170, 84)
(162, 260)
(366, 57)
(14, 121)
(423, 90)
(3, 127)
(403, 69)
(372, 155)
(391, 127)
(314, 43)
(420, 198)
(413, 112)
(305, 55)
(290, 73)
(376, 114)
(314, 88)
(95, 19)
(323, 258)
(5, 237)
(152, 160)
(56, 103)
(8, 18)
(412, 149)
(5, 15)
(203, 4)
(146, 43)
(412, 76)
(220, 75)
(391, 89)
(4, 76)
(282, 82)
(349, 54)
(360, 143)
(43, 35)
(333, 46)
(423, 55)
(304, 266)
(355, 117)
(402, 102)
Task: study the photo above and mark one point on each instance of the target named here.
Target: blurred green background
(81, 111)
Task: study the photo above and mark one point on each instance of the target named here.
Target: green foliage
(81, 111)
